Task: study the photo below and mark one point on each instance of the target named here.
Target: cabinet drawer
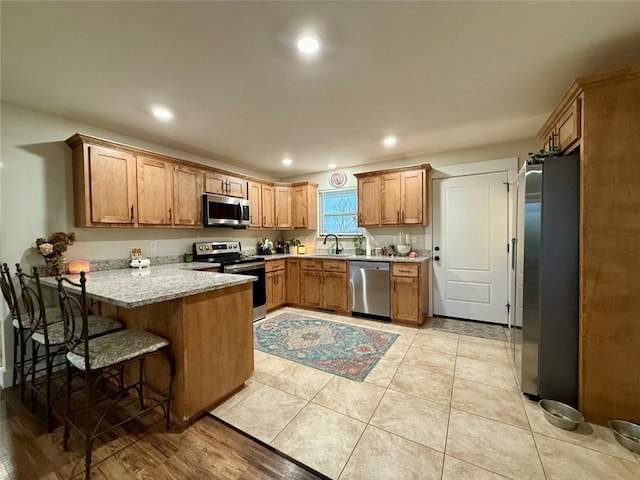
(404, 270)
(334, 266)
(310, 264)
(274, 265)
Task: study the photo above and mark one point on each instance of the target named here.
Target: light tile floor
(437, 406)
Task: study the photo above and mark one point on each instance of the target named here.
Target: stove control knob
(200, 247)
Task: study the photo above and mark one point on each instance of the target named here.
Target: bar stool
(104, 358)
(49, 336)
(21, 331)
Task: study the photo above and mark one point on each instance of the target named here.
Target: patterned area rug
(333, 347)
(470, 328)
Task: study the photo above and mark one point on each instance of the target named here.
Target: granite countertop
(135, 287)
(361, 258)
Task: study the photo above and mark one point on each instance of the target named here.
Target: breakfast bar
(206, 317)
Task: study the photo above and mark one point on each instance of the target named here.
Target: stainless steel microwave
(222, 211)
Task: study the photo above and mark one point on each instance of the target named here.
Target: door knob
(436, 258)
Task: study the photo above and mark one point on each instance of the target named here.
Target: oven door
(259, 286)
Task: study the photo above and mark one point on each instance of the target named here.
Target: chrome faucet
(338, 249)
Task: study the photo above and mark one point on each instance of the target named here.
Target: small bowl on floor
(560, 414)
(627, 434)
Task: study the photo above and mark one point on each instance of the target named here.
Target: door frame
(508, 165)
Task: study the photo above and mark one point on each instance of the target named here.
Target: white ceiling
(439, 75)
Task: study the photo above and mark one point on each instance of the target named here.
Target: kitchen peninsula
(207, 318)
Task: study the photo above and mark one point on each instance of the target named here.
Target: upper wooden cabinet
(220, 183)
(254, 195)
(104, 181)
(562, 131)
(393, 197)
(155, 191)
(120, 186)
(305, 205)
(268, 206)
(282, 206)
(187, 196)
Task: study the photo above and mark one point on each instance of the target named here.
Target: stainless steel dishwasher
(369, 285)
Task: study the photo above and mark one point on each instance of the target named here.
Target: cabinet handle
(303, 223)
(277, 220)
(398, 216)
(403, 215)
(228, 187)
(169, 215)
(222, 185)
(132, 213)
(264, 220)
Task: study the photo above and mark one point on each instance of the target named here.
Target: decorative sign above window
(338, 179)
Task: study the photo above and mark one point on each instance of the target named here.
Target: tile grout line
(446, 438)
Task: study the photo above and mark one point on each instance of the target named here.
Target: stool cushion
(96, 325)
(52, 314)
(117, 347)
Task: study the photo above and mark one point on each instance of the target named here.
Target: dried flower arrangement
(53, 248)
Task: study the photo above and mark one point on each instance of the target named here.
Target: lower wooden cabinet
(292, 281)
(324, 284)
(276, 283)
(409, 293)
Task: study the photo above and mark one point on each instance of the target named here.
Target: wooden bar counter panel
(211, 337)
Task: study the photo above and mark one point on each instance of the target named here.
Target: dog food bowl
(627, 434)
(560, 414)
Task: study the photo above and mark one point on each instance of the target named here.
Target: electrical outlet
(153, 246)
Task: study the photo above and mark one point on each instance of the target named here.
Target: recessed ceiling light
(308, 45)
(389, 141)
(162, 113)
(331, 166)
(287, 161)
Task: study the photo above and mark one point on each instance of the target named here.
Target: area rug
(338, 348)
(470, 328)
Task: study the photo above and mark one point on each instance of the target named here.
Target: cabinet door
(299, 206)
(283, 207)
(568, 127)
(271, 289)
(267, 207)
(187, 196)
(293, 281)
(405, 300)
(412, 201)
(215, 183)
(368, 201)
(390, 204)
(112, 175)
(310, 291)
(280, 289)
(335, 291)
(236, 187)
(155, 191)
(254, 195)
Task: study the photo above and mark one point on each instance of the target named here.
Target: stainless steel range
(227, 254)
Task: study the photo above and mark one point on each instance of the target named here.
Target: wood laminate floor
(207, 449)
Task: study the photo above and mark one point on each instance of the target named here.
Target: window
(339, 212)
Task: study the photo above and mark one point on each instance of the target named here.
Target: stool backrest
(9, 292)
(32, 300)
(74, 315)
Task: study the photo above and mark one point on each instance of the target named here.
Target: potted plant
(358, 244)
(292, 245)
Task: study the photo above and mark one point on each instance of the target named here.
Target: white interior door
(470, 247)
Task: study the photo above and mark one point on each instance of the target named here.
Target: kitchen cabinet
(292, 282)
(222, 184)
(187, 196)
(268, 206)
(282, 196)
(104, 180)
(563, 130)
(368, 201)
(305, 205)
(254, 195)
(324, 284)
(276, 283)
(155, 191)
(409, 293)
(393, 197)
(609, 147)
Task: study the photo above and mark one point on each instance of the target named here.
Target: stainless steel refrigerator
(549, 367)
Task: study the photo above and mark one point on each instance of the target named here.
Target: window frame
(321, 213)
